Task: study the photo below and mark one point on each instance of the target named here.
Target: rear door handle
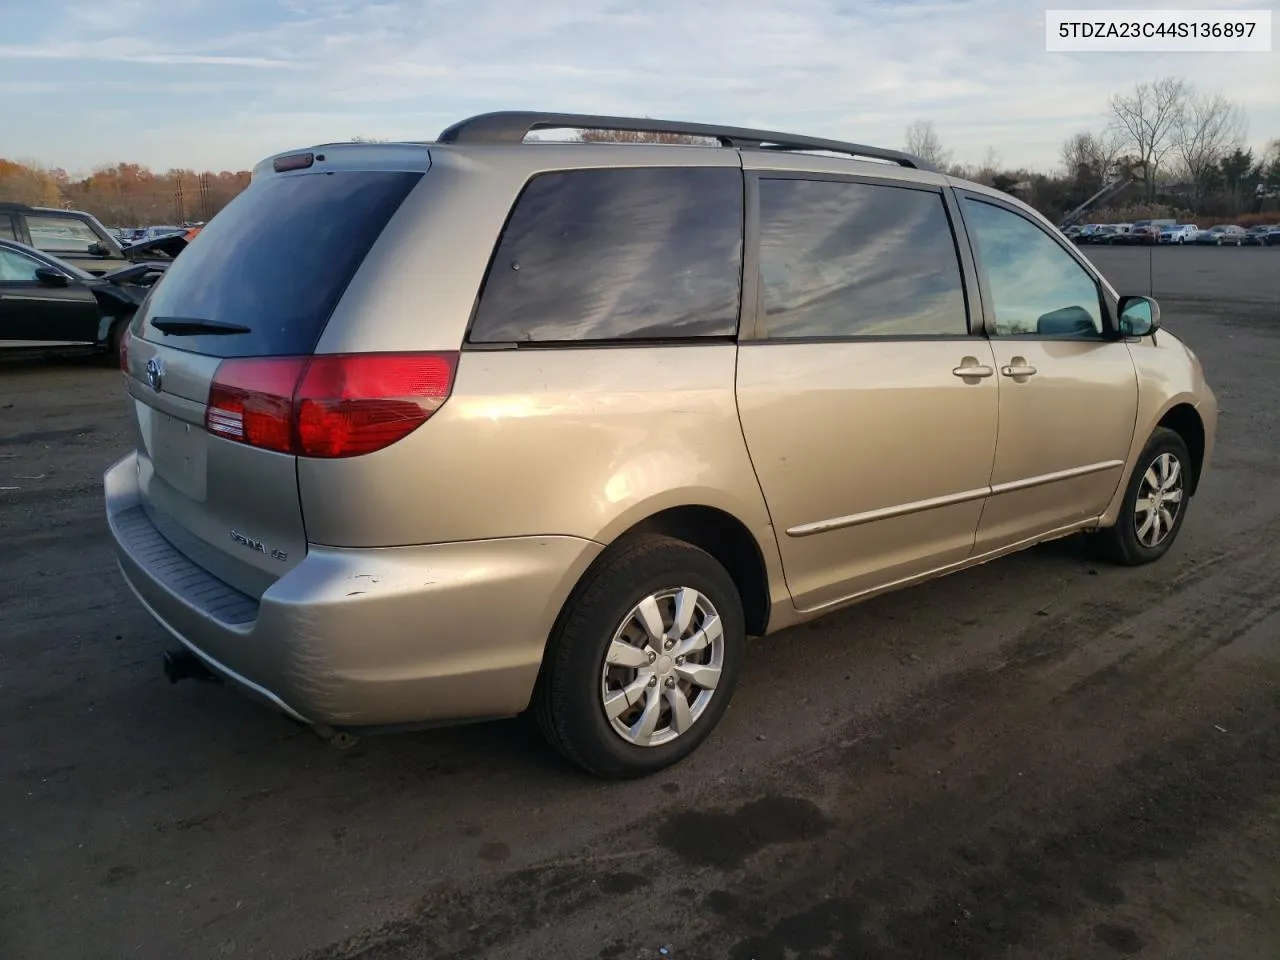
(1019, 369)
(969, 367)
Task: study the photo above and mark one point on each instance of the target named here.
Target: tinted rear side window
(276, 260)
(843, 259)
(649, 253)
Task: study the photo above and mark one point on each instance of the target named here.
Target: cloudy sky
(221, 83)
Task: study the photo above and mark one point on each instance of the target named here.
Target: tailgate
(257, 285)
(231, 508)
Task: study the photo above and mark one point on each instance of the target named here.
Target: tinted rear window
(622, 254)
(277, 260)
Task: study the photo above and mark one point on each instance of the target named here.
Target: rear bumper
(362, 637)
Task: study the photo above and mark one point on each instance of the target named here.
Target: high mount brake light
(294, 161)
(340, 405)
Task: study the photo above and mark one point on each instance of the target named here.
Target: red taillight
(251, 401)
(125, 337)
(327, 406)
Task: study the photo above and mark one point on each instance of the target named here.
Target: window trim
(607, 343)
(25, 256)
(106, 241)
(970, 289)
(988, 318)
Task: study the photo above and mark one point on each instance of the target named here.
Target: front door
(34, 313)
(1068, 387)
(868, 406)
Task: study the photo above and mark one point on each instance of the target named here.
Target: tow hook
(338, 739)
(185, 665)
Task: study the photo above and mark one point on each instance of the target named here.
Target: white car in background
(1179, 233)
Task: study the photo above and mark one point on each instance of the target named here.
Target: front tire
(644, 659)
(1155, 503)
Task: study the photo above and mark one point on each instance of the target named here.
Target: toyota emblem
(155, 373)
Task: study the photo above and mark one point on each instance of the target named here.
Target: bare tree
(1147, 121)
(923, 142)
(1090, 158)
(1209, 128)
(634, 136)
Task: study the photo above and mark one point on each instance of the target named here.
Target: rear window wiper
(193, 326)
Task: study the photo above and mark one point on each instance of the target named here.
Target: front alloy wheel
(1155, 502)
(1159, 501)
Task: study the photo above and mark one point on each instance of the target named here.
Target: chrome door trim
(1047, 478)
(949, 500)
(887, 513)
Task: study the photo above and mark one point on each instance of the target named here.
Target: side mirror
(51, 277)
(96, 249)
(1139, 316)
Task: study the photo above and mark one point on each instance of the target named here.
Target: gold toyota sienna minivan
(437, 432)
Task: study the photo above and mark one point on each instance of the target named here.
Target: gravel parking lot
(1042, 757)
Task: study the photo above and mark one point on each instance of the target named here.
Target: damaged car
(49, 305)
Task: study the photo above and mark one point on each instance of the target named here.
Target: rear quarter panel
(544, 442)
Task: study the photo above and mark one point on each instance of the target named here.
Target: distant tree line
(1184, 152)
(126, 194)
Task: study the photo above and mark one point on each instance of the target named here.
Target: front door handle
(1019, 369)
(970, 367)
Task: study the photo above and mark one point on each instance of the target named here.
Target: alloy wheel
(1159, 499)
(662, 666)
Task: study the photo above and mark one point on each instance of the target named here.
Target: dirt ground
(1041, 758)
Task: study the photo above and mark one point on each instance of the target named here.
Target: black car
(1267, 235)
(49, 304)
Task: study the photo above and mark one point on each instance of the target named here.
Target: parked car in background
(763, 431)
(1145, 234)
(73, 236)
(1179, 233)
(1256, 236)
(1272, 237)
(1223, 234)
(49, 304)
(155, 233)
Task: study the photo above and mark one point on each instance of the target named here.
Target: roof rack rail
(512, 126)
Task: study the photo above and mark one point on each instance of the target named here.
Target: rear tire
(645, 709)
(1155, 503)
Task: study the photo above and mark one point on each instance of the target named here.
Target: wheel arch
(1184, 420)
(750, 557)
(730, 542)
(1178, 413)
